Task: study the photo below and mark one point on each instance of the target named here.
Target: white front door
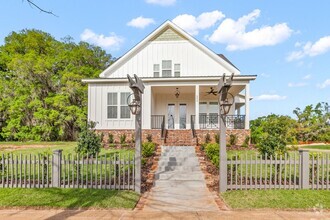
(176, 115)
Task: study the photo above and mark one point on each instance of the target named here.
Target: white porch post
(239, 111)
(247, 106)
(146, 108)
(197, 107)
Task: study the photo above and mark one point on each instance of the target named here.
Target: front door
(170, 115)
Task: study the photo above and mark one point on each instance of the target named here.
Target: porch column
(239, 111)
(247, 106)
(197, 107)
(146, 108)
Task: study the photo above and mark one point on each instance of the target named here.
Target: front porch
(196, 107)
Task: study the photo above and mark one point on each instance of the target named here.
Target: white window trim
(118, 108)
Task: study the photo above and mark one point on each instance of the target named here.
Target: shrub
(246, 142)
(110, 138)
(133, 138)
(88, 142)
(233, 139)
(122, 139)
(203, 145)
(217, 137)
(207, 138)
(149, 137)
(271, 145)
(148, 149)
(212, 152)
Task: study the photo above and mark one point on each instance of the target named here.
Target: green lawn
(317, 147)
(48, 147)
(68, 198)
(278, 199)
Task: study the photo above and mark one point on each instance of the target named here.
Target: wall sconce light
(177, 93)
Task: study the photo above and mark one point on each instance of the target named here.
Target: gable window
(112, 105)
(166, 68)
(177, 70)
(124, 109)
(156, 70)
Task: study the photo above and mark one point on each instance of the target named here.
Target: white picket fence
(290, 171)
(73, 171)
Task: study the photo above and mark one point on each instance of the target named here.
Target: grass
(317, 147)
(68, 198)
(48, 147)
(278, 199)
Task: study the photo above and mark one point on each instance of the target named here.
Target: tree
(313, 122)
(42, 96)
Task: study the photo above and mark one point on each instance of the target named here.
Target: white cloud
(108, 42)
(311, 49)
(193, 24)
(234, 34)
(141, 22)
(268, 97)
(308, 76)
(161, 2)
(325, 84)
(299, 84)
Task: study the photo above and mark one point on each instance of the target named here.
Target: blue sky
(285, 43)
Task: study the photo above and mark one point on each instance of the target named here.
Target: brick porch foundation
(175, 137)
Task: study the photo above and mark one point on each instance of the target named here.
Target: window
(156, 70)
(124, 109)
(166, 68)
(112, 105)
(177, 70)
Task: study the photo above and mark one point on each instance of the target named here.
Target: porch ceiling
(236, 89)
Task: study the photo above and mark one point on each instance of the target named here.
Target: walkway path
(127, 214)
(180, 183)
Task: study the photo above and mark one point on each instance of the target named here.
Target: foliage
(217, 137)
(313, 122)
(110, 138)
(122, 138)
(149, 137)
(233, 139)
(275, 125)
(88, 142)
(207, 138)
(148, 149)
(271, 145)
(212, 152)
(42, 96)
(246, 141)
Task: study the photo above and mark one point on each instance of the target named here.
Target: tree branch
(32, 4)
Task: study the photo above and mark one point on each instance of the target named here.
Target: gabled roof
(168, 24)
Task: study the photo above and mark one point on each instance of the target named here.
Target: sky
(286, 43)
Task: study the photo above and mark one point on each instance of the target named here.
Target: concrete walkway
(127, 214)
(180, 184)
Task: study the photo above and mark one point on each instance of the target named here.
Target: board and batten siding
(193, 61)
(97, 106)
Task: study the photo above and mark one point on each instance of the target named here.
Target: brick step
(179, 138)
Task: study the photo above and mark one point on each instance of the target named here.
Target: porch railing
(158, 122)
(211, 121)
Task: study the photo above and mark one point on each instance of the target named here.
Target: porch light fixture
(226, 99)
(134, 106)
(177, 93)
(226, 104)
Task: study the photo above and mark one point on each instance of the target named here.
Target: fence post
(304, 169)
(56, 168)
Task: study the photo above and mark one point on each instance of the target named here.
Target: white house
(180, 76)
